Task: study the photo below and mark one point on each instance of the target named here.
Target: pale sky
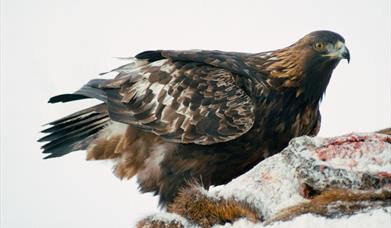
(50, 47)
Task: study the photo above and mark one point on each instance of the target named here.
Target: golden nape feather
(170, 117)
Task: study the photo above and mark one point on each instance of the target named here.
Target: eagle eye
(319, 46)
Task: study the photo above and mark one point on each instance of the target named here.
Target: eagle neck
(315, 81)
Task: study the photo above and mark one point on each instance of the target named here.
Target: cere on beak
(339, 51)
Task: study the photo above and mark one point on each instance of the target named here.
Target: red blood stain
(350, 147)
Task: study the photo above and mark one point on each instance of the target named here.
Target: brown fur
(333, 202)
(386, 131)
(192, 204)
(202, 210)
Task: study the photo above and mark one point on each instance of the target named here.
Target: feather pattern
(181, 102)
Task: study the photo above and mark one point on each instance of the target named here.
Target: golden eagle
(174, 116)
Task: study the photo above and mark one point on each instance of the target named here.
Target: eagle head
(324, 46)
(307, 65)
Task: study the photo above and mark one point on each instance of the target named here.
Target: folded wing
(182, 101)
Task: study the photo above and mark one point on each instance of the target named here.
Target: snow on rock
(379, 218)
(270, 186)
(165, 219)
(332, 177)
(355, 161)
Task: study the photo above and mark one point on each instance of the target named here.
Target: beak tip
(346, 55)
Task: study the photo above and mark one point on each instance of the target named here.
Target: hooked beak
(338, 51)
(345, 54)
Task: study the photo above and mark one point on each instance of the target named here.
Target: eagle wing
(181, 101)
(235, 62)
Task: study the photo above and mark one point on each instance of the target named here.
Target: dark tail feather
(66, 98)
(74, 132)
(89, 90)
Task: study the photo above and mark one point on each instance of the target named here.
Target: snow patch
(379, 218)
(168, 218)
(276, 183)
(270, 187)
(355, 163)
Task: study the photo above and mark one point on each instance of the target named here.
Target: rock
(331, 177)
(164, 220)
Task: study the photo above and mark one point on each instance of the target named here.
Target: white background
(50, 47)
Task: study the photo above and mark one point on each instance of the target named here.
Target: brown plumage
(173, 116)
